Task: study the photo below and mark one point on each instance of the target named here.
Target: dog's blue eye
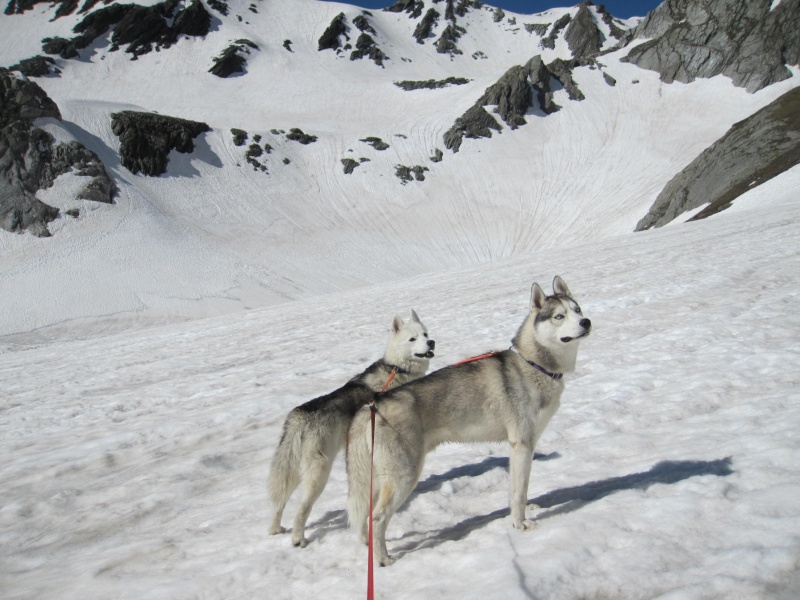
(559, 317)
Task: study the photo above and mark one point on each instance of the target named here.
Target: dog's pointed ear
(397, 324)
(414, 316)
(537, 297)
(560, 287)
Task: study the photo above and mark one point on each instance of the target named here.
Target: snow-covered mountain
(311, 196)
(319, 170)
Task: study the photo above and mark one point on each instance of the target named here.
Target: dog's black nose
(586, 323)
(431, 344)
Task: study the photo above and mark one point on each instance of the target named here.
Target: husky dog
(509, 395)
(314, 432)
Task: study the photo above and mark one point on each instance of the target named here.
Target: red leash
(474, 358)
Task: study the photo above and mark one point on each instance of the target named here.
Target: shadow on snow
(561, 501)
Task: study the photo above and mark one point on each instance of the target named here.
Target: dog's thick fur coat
(314, 432)
(510, 396)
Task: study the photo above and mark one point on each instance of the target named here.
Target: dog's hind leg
(315, 476)
(520, 472)
(283, 480)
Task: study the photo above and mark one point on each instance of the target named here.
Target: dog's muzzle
(587, 328)
(429, 353)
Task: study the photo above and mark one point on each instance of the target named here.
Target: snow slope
(215, 236)
(671, 470)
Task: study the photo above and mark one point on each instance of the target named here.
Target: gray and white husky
(509, 395)
(314, 432)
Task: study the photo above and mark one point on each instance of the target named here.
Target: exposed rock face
(146, 139)
(446, 44)
(514, 95)
(431, 84)
(330, 38)
(37, 66)
(406, 174)
(745, 41)
(298, 135)
(412, 7)
(233, 59)
(550, 40)
(376, 143)
(582, 35)
(425, 26)
(141, 28)
(753, 151)
(31, 160)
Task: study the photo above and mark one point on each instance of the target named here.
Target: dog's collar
(397, 369)
(555, 376)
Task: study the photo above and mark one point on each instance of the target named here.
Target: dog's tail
(284, 474)
(359, 466)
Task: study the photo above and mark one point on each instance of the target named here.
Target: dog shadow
(563, 500)
(337, 519)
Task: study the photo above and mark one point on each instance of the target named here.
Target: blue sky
(619, 8)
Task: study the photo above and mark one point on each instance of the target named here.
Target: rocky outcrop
(550, 41)
(298, 135)
(376, 142)
(330, 37)
(233, 60)
(146, 139)
(425, 26)
(446, 44)
(582, 34)
(521, 89)
(753, 151)
(37, 66)
(141, 28)
(406, 174)
(750, 42)
(412, 7)
(431, 84)
(31, 159)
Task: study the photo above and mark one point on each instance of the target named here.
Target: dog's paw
(277, 530)
(388, 561)
(300, 543)
(525, 525)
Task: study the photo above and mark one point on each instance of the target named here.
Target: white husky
(314, 432)
(510, 395)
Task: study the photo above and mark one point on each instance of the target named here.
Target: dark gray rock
(376, 143)
(412, 7)
(475, 123)
(366, 47)
(31, 160)
(609, 79)
(239, 137)
(362, 24)
(233, 60)
(538, 28)
(437, 156)
(349, 165)
(298, 135)
(330, 37)
(498, 15)
(425, 26)
(745, 41)
(753, 151)
(521, 89)
(146, 139)
(550, 41)
(36, 66)
(406, 174)
(431, 84)
(446, 44)
(141, 28)
(582, 34)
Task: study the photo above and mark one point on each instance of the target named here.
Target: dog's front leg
(520, 471)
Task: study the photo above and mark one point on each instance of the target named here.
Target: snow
(671, 470)
(151, 349)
